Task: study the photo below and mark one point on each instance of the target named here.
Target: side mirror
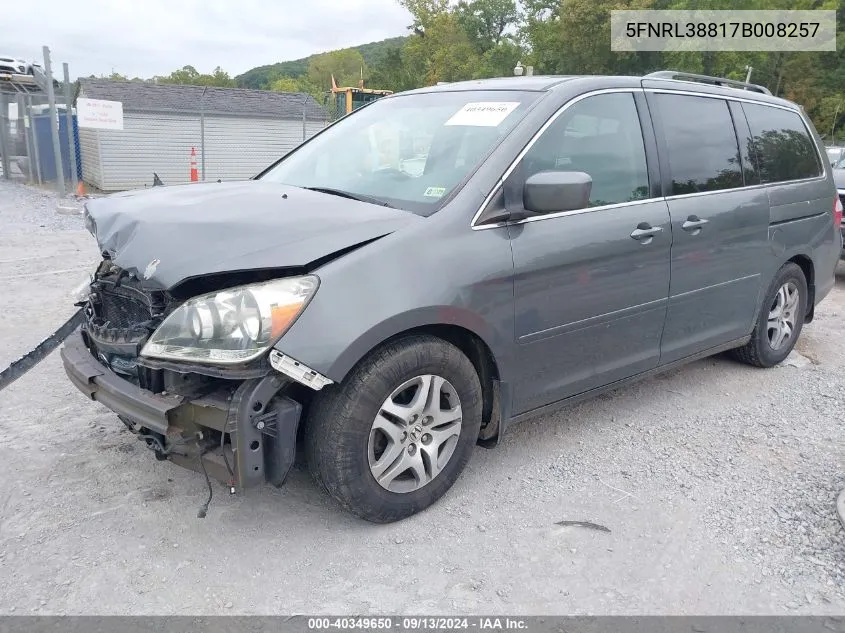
(553, 191)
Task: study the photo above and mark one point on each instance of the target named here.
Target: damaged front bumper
(242, 433)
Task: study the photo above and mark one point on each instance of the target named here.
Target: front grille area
(121, 311)
(120, 316)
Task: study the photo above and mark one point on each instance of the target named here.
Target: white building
(235, 132)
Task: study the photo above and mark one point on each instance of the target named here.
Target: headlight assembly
(234, 325)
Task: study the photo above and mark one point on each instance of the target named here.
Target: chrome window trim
(692, 93)
(682, 196)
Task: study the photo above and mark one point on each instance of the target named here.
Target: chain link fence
(176, 134)
(165, 134)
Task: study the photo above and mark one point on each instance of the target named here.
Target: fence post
(71, 144)
(304, 130)
(54, 122)
(202, 132)
(33, 139)
(202, 144)
(5, 144)
(23, 121)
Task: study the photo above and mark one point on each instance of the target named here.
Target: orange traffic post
(194, 173)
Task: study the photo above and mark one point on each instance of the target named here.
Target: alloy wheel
(782, 315)
(415, 433)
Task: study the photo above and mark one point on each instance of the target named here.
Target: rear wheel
(395, 435)
(780, 321)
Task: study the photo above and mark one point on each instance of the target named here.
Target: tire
(759, 351)
(343, 435)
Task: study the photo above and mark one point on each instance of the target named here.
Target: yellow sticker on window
(435, 192)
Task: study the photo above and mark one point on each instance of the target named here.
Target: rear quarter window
(782, 144)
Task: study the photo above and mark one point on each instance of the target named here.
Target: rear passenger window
(781, 143)
(701, 142)
(600, 136)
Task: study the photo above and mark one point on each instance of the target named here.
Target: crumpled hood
(165, 235)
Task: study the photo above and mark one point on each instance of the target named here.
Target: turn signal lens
(281, 317)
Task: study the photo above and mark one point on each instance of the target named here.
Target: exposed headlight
(234, 325)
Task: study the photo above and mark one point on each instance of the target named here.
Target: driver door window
(600, 136)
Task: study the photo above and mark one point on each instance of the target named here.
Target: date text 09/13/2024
(420, 623)
(701, 30)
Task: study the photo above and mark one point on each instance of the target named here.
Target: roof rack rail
(716, 81)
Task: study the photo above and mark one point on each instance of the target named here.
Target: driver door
(591, 285)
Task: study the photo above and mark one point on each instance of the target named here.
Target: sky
(142, 38)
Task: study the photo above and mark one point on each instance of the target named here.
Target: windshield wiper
(351, 196)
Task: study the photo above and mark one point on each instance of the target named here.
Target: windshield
(407, 151)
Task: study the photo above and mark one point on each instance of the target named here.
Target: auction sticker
(434, 192)
(483, 113)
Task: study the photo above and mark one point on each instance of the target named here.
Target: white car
(834, 153)
(16, 66)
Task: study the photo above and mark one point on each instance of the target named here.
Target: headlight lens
(234, 325)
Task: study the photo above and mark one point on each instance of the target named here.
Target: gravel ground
(717, 483)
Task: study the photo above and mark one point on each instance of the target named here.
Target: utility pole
(748, 74)
(833, 127)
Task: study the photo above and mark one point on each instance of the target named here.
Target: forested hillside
(471, 39)
(263, 76)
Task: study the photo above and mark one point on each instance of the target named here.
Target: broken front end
(195, 378)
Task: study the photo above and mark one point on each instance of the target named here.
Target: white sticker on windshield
(483, 113)
(435, 192)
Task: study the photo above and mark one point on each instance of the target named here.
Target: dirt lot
(717, 482)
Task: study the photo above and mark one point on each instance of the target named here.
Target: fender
(412, 320)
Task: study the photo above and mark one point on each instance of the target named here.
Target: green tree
(392, 72)
(345, 65)
(439, 49)
(190, 76)
(285, 84)
(486, 22)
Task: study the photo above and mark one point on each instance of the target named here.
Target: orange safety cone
(80, 189)
(194, 173)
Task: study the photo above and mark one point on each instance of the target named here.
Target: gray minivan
(555, 237)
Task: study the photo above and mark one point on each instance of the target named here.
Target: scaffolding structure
(30, 92)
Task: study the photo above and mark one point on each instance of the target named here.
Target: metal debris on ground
(584, 524)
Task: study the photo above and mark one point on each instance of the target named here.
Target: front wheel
(780, 321)
(395, 435)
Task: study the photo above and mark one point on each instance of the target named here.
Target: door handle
(694, 224)
(645, 232)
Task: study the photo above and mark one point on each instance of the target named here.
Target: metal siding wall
(89, 153)
(149, 143)
(239, 148)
